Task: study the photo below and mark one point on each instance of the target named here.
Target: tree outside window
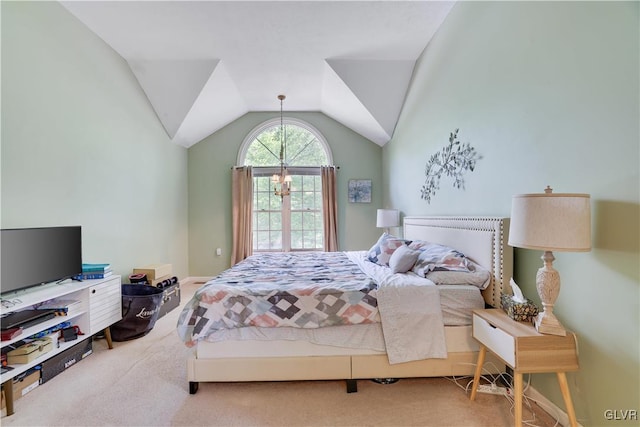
(293, 222)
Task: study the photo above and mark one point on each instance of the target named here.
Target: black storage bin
(170, 299)
(65, 359)
(140, 308)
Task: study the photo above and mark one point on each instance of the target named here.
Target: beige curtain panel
(329, 208)
(242, 209)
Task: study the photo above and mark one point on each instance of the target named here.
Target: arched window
(292, 222)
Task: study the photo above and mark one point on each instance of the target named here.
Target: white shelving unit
(99, 307)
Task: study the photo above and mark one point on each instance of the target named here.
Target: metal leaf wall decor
(453, 160)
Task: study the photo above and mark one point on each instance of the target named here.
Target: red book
(8, 334)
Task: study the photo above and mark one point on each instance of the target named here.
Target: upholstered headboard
(483, 239)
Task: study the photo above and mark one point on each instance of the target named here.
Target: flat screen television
(34, 256)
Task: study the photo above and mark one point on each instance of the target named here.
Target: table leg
(7, 386)
(107, 335)
(476, 377)
(566, 395)
(517, 390)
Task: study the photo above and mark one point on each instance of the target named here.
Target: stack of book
(62, 307)
(94, 271)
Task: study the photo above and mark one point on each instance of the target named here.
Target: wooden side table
(522, 348)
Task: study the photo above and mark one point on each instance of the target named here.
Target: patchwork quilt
(292, 289)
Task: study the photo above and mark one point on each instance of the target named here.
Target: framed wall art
(359, 190)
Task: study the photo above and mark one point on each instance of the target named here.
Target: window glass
(293, 222)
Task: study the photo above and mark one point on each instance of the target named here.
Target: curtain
(329, 208)
(242, 211)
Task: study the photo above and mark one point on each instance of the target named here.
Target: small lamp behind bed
(387, 218)
(550, 222)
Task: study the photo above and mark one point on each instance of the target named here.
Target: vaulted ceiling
(203, 64)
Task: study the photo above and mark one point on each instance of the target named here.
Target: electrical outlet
(492, 389)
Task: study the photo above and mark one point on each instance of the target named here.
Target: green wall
(548, 94)
(210, 163)
(82, 146)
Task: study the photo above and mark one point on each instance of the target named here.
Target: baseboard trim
(195, 279)
(548, 406)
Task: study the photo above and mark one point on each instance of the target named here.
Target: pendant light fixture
(282, 182)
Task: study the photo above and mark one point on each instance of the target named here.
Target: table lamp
(387, 218)
(550, 222)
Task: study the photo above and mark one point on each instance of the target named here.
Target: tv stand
(72, 278)
(100, 306)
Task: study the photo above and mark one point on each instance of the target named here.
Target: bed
(352, 352)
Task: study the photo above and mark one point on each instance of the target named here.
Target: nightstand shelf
(522, 348)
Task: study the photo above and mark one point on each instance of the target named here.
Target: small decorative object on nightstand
(525, 350)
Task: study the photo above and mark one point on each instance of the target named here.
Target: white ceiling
(203, 64)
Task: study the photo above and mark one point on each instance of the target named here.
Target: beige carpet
(143, 383)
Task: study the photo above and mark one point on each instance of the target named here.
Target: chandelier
(282, 182)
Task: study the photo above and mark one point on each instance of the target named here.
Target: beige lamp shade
(387, 218)
(551, 222)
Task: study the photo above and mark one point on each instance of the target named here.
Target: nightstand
(522, 348)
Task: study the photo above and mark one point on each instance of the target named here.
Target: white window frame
(292, 170)
(242, 152)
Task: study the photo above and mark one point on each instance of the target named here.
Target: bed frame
(483, 239)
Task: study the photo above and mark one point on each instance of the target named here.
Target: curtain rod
(292, 167)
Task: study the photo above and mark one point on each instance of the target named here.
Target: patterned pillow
(419, 244)
(381, 252)
(441, 258)
(403, 259)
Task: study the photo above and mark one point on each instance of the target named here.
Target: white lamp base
(547, 323)
(548, 285)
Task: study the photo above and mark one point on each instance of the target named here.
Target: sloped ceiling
(203, 64)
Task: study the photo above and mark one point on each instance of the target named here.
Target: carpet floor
(143, 383)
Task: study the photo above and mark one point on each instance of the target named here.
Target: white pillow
(403, 259)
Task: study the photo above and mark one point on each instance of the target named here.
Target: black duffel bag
(140, 309)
